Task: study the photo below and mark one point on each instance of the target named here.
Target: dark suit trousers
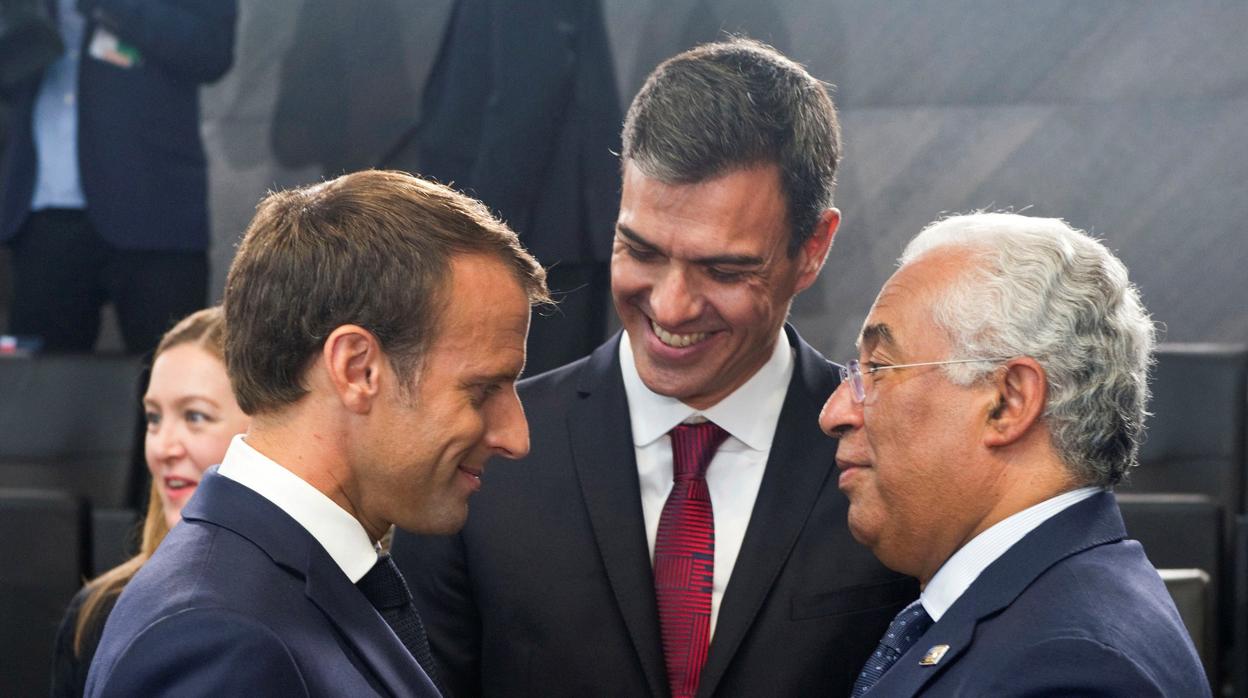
(64, 272)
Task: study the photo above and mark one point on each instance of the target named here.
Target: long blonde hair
(206, 329)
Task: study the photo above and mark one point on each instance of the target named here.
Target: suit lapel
(1087, 524)
(606, 467)
(797, 469)
(363, 627)
(228, 504)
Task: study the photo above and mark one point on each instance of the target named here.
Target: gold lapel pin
(934, 655)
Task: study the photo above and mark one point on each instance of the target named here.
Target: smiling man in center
(676, 529)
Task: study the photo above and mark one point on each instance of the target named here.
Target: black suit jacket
(521, 111)
(139, 150)
(548, 590)
(240, 600)
(1073, 609)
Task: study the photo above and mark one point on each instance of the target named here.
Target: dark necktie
(684, 557)
(384, 587)
(906, 629)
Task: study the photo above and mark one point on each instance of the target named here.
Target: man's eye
(640, 254)
(872, 367)
(724, 275)
(482, 393)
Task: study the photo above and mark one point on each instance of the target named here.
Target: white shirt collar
(750, 413)
(964, 567)
(340, 533)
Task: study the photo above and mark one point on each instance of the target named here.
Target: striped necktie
(684, 557)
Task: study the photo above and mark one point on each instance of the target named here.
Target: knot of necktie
(693, 447)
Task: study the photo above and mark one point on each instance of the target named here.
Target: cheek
(627, 277)
(207, 449)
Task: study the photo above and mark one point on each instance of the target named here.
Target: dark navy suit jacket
(1073, 609)
(240, 600)
(139, 149)
(548, 591)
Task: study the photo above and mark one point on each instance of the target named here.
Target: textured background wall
(1126, 117)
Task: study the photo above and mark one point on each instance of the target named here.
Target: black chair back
(42, 546)
(67, 422)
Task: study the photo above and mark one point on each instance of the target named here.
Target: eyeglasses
(852, 372)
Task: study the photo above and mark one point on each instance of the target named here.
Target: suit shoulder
(1076, 665)
(555, 385)
(200, 651)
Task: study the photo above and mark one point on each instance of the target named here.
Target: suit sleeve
(201, 652)
(436, 570)
(1068, 667)
(192, 40)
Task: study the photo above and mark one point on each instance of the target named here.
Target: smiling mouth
(672, 339)
(179, 483)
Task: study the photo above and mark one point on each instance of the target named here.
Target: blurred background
(1125, 117)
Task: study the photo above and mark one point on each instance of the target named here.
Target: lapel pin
(934, 655)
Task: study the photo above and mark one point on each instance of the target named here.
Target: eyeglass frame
(852, 373)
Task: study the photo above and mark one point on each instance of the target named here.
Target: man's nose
(840, 413)
(508, 431)
(674, 300)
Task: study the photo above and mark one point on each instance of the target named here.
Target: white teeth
(177, 483)
(676, 340)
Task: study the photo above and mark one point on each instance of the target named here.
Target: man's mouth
(672, 339)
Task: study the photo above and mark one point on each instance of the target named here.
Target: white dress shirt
(964, 567)
(342, 536)
(749, 415)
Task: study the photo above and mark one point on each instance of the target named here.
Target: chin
(444, 524)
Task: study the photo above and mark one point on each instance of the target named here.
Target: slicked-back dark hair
(370, 248)
(733, 104)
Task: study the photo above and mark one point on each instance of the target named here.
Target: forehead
(485, 322)
(187, 368)
(742, 211)
(901, 323)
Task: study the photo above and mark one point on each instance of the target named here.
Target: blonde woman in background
(191, 416)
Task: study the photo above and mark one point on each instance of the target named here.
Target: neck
(311, 449)
(1023, 483)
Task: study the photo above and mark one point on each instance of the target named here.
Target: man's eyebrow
(873, 335)
(735, 260)
(634, 238)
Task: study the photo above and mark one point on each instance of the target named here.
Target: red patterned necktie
(684, 557)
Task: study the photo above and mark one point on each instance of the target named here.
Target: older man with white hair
(998, 395)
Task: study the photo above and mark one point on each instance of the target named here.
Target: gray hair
(1038, 287)
(733, 104)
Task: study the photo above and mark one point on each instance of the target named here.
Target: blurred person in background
(103, 181)
(191, 416)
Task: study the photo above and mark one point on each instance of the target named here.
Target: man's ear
(814, 251)
(353, 361)
(1021, 394)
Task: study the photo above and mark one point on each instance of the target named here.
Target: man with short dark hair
(999, 391)
(375, 328)
(676, 529)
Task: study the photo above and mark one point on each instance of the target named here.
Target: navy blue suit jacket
(548, 591)
(1073, 609)
(139, 150)
(241, 600)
